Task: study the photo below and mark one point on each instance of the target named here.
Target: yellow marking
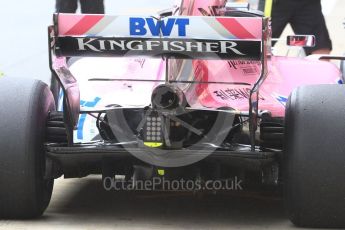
(153, 144)
(268, 8)
(161, 172)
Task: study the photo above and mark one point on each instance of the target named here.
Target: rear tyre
(25, 103)
(314, 156)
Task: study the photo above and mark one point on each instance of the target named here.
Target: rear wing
(193, 37)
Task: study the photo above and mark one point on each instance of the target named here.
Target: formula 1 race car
(192, 93)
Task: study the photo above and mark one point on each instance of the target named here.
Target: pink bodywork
(284, 75)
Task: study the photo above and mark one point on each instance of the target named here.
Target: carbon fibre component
(56, 130)
(85, 159)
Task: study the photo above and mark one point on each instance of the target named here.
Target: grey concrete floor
(83, 203)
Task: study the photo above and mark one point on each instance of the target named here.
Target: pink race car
(193, 94)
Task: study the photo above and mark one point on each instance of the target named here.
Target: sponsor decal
(250, 70)
(157, 28)
(247, 67)
(184, 48)
(281, 99)
(240, 63)
(100, 45)
(235, 94)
